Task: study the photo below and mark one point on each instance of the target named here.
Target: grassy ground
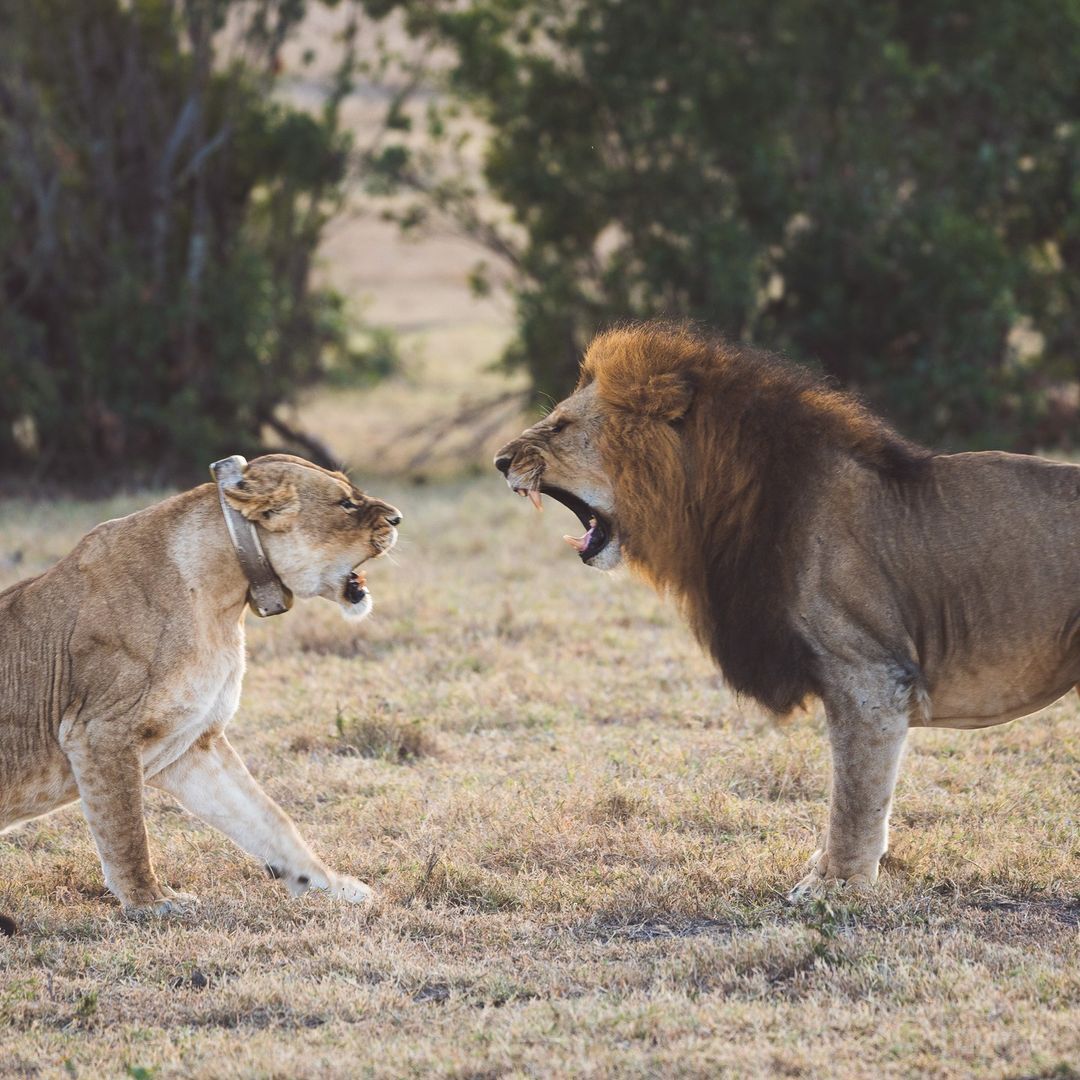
(580, 842)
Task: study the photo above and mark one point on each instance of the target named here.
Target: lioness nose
(502, 463)
(394, 518)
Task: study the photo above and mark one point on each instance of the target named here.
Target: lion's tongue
(580, 543)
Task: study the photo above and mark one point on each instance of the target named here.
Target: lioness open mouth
(356, 587)
(597, 529)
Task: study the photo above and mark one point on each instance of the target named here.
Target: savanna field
(580, 840)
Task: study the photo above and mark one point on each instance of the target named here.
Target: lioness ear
(269, 501)
(664, 396)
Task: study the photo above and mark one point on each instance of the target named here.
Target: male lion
(815, 552)
(122, 664)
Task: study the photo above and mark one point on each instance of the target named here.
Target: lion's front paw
(814, 886)
(821, 880)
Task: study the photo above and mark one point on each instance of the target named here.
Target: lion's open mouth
(598, 530)
(355, 587)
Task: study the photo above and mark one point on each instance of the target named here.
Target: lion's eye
(348, 505)
(558, 426)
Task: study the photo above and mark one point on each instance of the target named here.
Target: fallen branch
(317, 451)
(487, 415)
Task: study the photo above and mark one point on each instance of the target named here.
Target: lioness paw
(339, 886)
(343, 887)
(169, 903)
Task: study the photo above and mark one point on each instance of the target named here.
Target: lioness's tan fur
(122, 664)
(814, 551)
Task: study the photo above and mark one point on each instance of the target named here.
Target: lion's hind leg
(868, 723)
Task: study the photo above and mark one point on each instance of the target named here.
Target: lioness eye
(348, 505)
(558, 426)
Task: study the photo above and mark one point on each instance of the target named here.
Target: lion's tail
(7, 926)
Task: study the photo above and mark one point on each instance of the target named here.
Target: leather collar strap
(267, 594)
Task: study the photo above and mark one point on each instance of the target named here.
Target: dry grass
(380, 734)
(580, 839)
(580, 842)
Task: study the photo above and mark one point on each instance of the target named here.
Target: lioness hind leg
(110, 782)
(213, 783)
(867, 734)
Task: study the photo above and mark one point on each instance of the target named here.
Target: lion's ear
(664, 396)
(270, 501)
(672, 394)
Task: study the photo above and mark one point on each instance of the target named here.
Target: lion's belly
(45, 785)
(967, 722)
(982, 696)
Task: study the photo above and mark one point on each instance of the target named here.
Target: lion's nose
(394, 518)
(502, 463)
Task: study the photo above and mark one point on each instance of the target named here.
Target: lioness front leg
(110, 783)
(866, 734)
(213, 783)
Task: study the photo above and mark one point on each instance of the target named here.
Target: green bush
(159, 213)
(887, 188)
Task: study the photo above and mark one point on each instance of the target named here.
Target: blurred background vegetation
(887, 190)
(159, 214)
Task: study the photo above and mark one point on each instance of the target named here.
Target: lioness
(815, 552)
(121, 665)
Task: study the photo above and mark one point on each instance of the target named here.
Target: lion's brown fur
(713, 449)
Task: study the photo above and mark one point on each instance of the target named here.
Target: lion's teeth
(522, 492)
(536, 499)
(576, 542)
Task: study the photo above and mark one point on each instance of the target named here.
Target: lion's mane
(714, 450)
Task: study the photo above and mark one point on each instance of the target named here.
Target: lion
(122, 664)
(817, 554)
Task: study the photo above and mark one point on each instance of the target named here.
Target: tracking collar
(267, 594)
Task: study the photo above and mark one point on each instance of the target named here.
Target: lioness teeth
(536, 499)
(356, 586)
